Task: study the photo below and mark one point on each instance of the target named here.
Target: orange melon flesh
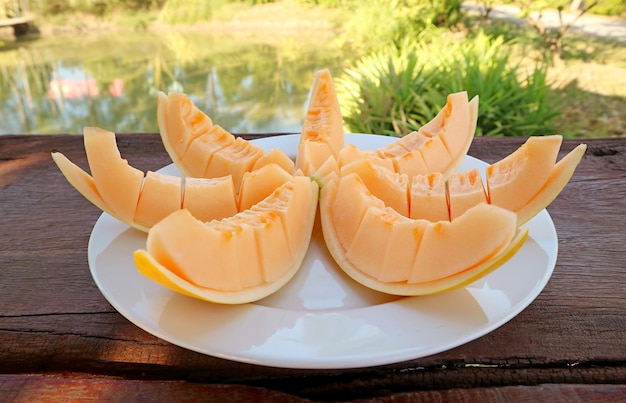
(118, 183)
(416, 253)
(160, 195)
(522, 173)
(383, 183)
(351, 196)
(411, 163)
(366, 249)
(475, 237)
(210, 199)
(465, 190)
(182, 252)
(428, 199)
(322, 130)
(275, 156)
(560, 176)
(236, 159)
(198, 155)
(441, 144)
(257, 185)
(199, 148)
(180, 122)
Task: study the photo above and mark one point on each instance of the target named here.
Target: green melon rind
(402, 288)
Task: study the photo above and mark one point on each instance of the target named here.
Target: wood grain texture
(54, 322)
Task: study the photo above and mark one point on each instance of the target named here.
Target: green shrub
(397, 91)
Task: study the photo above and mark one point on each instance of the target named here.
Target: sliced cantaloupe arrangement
(525, 182)
(205, 260)
(201, 149)
(322, 136)
(389, 252)
(141, 201)
(398, 219)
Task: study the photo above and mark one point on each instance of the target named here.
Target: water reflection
(61, 84)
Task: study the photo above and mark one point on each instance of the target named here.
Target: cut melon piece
(522, 172)
(118, 183)
(383, 183)
(278, 157)
(322, 131)
(160, 195)
(391, 253)
(428, 199)
(201, 149)
(257, 185)
(525, 182)
(210, 199)
(438, 146)
(560, 176)
(141, 202)
(465, 190)
(205, 260)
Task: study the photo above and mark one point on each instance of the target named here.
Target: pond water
(245, 84)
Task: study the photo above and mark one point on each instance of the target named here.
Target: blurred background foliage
(400, 58)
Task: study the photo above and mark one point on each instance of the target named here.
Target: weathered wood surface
(58, 333)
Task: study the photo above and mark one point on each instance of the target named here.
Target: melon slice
(522, 172)
(205, 260)
(441, 144)
(465, 190)
(211, 199)
(322, 131)
(118, 183)
(383, 183)
(428, 199)
(122, 191)
(525, 182)
(558, 179)
(391, 253)
(199, 148)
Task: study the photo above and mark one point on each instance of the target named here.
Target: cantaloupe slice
(238, 259)
(390, 186)
(522, 172)
(322, 131)
(211, 199)
(525, 182)
(391, 253)
(140, 202)
(558, 179)
(118, 183)
(201, 149)
(441, 144)
(464, 190)
(428, 199)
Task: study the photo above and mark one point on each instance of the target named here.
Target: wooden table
(60, 339)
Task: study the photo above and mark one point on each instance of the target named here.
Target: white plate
(321, 319)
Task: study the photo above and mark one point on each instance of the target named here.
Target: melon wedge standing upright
(322, 134)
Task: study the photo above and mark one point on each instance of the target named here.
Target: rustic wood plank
(53, 319)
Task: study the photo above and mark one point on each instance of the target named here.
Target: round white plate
(321, 319)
